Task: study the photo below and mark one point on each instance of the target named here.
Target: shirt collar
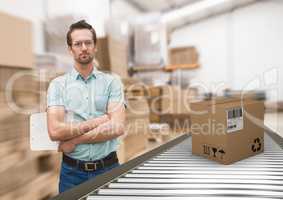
(76, 75)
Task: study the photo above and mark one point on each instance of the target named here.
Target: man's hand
(66, 147)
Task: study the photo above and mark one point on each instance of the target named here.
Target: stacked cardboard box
(183, 55)
(137, 121)
(154, 78)
(150, 40)
(118, 50)
(243, 94)
(171, 104)
(21, 169)
(17, 79)
(16, 42)
(102, 55)
(22, 172)
(227, 129)
(159, 132)
(24, 88)
(175, 107)
(154, 101)
(171, 99)
(36, 189)
(134, 87)
(119, 46)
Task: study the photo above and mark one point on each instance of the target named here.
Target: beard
(85, 59)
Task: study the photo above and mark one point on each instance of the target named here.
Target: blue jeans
(70, 176)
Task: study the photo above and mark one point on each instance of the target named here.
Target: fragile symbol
(214, 151)
(257, 145)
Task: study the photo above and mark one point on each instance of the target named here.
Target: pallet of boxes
(134, 141)
(24, 174)
(227, 129)
(169, 111)
(170, 104)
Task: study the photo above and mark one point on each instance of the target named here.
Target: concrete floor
(275, 122)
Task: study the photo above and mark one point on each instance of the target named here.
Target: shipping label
(235, 120)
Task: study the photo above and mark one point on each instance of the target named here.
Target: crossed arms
(100, 129)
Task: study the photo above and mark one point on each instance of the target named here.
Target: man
(85, 112)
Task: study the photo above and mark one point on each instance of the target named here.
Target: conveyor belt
(175, 173)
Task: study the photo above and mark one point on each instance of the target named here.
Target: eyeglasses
(87, 43)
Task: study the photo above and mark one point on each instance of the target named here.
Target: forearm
(103, 132)
(67, 131)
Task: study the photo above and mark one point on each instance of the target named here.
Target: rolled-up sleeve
(55, 94)
(116, 91)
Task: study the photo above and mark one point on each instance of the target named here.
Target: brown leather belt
(90, 166)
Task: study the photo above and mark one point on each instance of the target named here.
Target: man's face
(83, 48)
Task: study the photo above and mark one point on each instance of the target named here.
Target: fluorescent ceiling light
(192, 9)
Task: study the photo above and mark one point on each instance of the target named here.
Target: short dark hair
(82, 24)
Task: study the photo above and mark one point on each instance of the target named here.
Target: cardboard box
(128, 82)
(183, 55)
(149, 42)
(102, 55)
(137, 119)
(136, 129)
(227, 129)
(131, 146)
(16, 42)
(169, 101)
(118, 57)
(259, 95)
(154, 91)
(154, 118)
(176, 100)
(134, 87)
(159, 132)
(137, 107)
(177, 122)
(18, 79)
(154, 102)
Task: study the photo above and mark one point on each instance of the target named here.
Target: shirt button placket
(87, 103)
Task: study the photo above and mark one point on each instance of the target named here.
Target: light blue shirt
(84, 99)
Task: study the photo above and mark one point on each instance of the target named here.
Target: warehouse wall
(32, 10)
(97, 11)
(242, 49)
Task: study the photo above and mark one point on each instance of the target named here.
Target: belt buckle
(89, 166)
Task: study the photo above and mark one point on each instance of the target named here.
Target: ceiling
(159, 5)
(177, 13)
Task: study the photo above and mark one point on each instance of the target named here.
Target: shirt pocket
(101, 102)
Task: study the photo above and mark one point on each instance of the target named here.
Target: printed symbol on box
(222, 153)
(257, 145)
(214, 151)
(206, 150)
